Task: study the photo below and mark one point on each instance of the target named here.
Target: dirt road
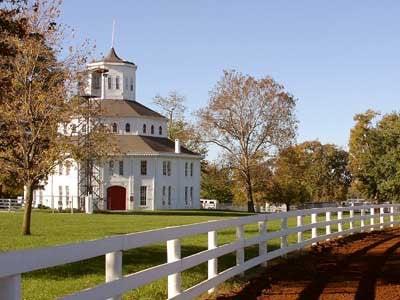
(362, 266)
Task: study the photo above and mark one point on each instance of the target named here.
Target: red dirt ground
(362, 266)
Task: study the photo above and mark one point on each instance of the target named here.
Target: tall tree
(288, 184)
(248, 118)
(375, 155)
(309, 171)
(37, 99)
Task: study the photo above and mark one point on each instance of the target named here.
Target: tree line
(260, 161)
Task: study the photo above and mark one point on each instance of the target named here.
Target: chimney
(177, 146)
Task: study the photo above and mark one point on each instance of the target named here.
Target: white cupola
(112, 78)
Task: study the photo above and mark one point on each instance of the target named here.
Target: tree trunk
(249, 194)
(26, 225)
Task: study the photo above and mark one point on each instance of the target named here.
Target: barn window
(127, 127)
(144, 128)
(143, 195)
(117, 83)
(143, 167)
(109, 81)
(114, 127)
(169, 195)
(121, 167)
(160, 130)
(152, 129)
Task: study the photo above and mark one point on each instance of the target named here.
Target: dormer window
(152, 129)
(114, 127)
(109, 82)
(117, 83)
(144, 128)
(160, 130)
(127, 127)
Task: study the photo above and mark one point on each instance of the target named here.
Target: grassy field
(61, 228)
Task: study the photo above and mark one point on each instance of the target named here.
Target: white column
(174, 280)
(381, 217)
(314, 233)
(299, 233)
(10, 287)
(212, 263)
(372, 220)
(262, 246)
(340, 225)
(284, 241)
(391, 216)
(362, 221)
(240, 252)
(114, 268)
(328, 227)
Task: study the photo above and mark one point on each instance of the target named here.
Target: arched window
(117, 83)
(152, 129)
(160, 130)
(127, 127)
(114, 127)
(144, 128)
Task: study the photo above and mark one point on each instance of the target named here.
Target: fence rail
(10, 204)
(13, 264)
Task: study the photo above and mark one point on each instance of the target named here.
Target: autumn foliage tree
(37, 98)
(310, 171)
(248, 118)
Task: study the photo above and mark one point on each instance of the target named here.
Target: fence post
(314, 233)
(212, 263)
(372, 220)
(328, 227)
(240, 251)
(391, 216)
(299, 233)
(10, 287)
(284, 241)
(174, 280)
(381, 217)
(339, 224)
(114, 268)
(262, 246)
(362, 221)
(9, 205)
(351, 222)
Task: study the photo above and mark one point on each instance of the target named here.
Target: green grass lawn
(61, 228)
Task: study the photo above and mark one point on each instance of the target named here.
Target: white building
(149, 172)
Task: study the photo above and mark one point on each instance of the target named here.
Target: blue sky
(338, 58)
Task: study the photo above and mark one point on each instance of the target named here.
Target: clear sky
(338, 58)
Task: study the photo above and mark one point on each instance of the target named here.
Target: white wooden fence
(10, 204)
(13, 264)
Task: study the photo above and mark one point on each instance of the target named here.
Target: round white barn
(149, 171)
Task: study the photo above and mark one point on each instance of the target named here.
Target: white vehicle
(209, 203)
